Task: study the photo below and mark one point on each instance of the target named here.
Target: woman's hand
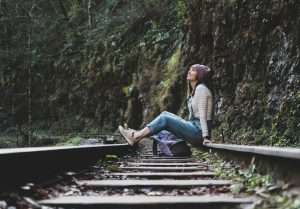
(206, 140)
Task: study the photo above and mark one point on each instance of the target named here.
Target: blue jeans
(188, 130)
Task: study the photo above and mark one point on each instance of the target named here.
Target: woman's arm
(202, 103)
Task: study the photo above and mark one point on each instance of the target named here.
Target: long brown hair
(204, 74)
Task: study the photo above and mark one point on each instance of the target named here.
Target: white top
(202, 105)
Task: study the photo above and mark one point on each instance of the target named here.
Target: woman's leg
(173, 123)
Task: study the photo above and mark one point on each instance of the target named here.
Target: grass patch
(248, 181)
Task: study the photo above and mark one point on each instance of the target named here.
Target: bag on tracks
(167, 144)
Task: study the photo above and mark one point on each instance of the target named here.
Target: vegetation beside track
(272, 193)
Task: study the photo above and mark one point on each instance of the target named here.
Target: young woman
(197, 129)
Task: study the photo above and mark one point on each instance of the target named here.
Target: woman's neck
(193, 84)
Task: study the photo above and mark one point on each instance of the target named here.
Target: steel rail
(278, 152)
(280, 162)
(19, 165)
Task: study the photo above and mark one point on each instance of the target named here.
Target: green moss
(249, 178)
(71, 141)
(249, 181)
(181, 9)
(126, 90)
(110, 162)
(170, 75)
(231, 2)
(286, 124)
(172, 68)
(74, 9)
(254, 90)
(259, 127)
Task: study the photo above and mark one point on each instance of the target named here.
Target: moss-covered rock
(253, 47)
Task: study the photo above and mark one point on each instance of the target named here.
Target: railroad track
(151, 182)
(131, 181)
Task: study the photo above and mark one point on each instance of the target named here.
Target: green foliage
(75, 9)
(71, 141)
(111, 158)
(181, 9)
(113, 168)
(249, 181)
(287, 122)
(286, 202)
(170, 75)
(285, 125)
(282, 129)
(7, 141)
(172, 69)
(109, 162)
(77, 71)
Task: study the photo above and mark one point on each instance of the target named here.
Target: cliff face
(131, 64)
(254, 49)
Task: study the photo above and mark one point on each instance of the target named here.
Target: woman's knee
(165, 112)
(169, 114)
(163, 119)
(167, 118)
(171, 120)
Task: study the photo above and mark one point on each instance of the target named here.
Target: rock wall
(254, 49)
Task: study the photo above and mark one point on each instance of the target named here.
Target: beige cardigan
(202, 105)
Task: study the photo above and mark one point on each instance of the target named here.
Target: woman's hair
(203, 76)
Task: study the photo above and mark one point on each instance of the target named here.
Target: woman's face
(192, 74)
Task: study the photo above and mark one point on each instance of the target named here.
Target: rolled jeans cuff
(151, 129)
